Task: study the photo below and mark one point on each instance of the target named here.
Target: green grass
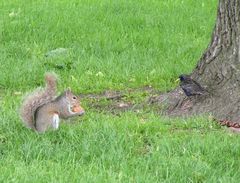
(111, 45)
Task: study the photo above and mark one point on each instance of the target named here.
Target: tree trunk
(218, 70)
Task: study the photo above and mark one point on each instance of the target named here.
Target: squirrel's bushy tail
(37, 99)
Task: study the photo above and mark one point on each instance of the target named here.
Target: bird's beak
(177, 80)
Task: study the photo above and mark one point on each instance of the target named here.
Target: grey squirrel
(42, 110)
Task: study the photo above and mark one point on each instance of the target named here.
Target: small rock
(17, 93)
(122, 105)
(57, 52)
(13, 13)
(100, 74)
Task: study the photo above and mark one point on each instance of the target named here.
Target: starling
(190, 87)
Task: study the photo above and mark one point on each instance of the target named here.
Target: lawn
(108, 45)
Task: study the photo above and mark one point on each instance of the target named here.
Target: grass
(110, 45)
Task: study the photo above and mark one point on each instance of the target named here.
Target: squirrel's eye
(74, 98)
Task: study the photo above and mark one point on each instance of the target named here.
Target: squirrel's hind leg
(44, 121)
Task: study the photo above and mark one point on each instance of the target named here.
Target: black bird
(190, 87)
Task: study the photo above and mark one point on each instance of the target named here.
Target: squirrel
(42, 110)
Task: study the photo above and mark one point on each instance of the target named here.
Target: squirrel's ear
(68, 91)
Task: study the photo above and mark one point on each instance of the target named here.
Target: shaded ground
(148, 99)
(145, 99)
(140, 99)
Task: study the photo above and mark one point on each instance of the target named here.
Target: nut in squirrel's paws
(77, 109)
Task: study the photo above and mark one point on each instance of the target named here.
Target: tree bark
(218, 70)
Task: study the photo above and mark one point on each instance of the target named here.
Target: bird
(190, 87)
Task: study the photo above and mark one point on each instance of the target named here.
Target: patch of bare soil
(116, 102)
(144, 100)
